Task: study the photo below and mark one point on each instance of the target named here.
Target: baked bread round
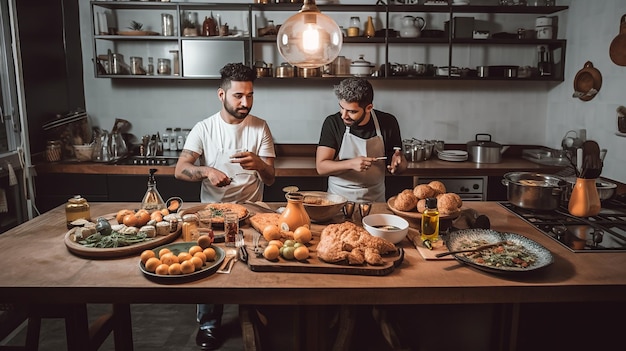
(421, 205)
(423, 191)
(405, 201)
(438, 186)
(447, 203)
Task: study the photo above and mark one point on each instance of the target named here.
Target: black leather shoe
(208, 339)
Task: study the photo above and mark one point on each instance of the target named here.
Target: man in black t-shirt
(357, 143)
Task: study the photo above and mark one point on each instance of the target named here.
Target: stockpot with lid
(534, 191)
(483, 150)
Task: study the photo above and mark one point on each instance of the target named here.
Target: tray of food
(121, 234)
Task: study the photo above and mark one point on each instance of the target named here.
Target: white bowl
(83, 152)
(373, 223)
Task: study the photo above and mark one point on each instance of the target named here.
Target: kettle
(571, 143)
(412, 26)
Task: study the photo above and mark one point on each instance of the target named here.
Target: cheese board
(73, 245)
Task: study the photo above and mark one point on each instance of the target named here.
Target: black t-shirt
(333, 130)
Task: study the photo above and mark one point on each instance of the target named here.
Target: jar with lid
(354, 29)
(190, 226)
(295, 214)
(76, 208)
(231, 228)
(150, 70)
(136, 65)
(53, 150)
(164, 67)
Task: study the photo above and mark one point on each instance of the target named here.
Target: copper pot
(285, 70)
(309, 72)
(263, 69)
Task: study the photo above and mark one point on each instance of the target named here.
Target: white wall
(517, 112)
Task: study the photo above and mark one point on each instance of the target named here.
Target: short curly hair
(237, 72)
(355, 89)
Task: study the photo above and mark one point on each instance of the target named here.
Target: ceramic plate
(415, 214)
(209, 267)
(543, 257)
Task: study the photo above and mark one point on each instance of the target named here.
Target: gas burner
(605, 232)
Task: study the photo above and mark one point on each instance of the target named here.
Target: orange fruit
(146, 255)
(130, 220)
(174, 269)
(209, 252)
(302, 235)
(119, 217)
(143, 217)
(169, 258)
(165, 212)
(164, 251)
(271, 232)
(162, 269)
(276, 242)
(187, 267)
(156, 216)
(194, 249)
(200, 255)
(271, 252)
(301, 253)
(152, 263)
(197, 261)
(204, 241)
(184, 256)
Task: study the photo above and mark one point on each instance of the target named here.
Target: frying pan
(586, 79)
(617, 50)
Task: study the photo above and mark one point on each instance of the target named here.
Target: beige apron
(368, 185)
(245, 184)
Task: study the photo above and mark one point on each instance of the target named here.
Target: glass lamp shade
(309, 39)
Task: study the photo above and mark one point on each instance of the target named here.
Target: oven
(468, 188)
(605, 232)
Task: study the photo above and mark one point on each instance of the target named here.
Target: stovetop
(605, 232)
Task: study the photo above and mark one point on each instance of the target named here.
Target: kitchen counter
(301, 166)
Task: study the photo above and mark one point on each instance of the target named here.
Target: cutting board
(315, 265)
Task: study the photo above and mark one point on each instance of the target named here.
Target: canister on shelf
(76, 208)
(164, 67)
(53, 150)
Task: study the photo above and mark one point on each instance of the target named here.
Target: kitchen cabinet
(247, 21)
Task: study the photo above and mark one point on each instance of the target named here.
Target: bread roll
(423, 191)
(438, 186)
(405, 201)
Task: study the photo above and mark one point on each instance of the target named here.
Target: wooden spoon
(479, 248)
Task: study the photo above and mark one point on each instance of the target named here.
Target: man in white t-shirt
(232, 154)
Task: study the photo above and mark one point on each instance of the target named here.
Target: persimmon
(130, 220)
(119, 217)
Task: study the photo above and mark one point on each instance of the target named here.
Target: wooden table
(37, 268)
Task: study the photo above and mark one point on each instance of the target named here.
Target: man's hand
(398, 162)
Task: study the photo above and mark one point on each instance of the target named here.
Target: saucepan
(535, 191)
(483, 150)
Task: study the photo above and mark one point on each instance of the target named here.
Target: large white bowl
(371, 222)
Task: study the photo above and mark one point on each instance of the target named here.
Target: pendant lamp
(309, 39)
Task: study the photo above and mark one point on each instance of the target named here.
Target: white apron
(246, 184)
(368, 185)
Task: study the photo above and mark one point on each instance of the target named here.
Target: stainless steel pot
(285, 70)
(263, 69)
(534, 191)
(485, 150)
(309, 72)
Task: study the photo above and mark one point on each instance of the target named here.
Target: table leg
(122, 327)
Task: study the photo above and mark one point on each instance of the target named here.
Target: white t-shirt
(215, 140)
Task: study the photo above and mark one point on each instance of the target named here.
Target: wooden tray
(115, 252)
(315, 265)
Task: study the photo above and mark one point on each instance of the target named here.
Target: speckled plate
(457, 238)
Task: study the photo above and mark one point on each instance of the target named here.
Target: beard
(240, 113)
(351, 122)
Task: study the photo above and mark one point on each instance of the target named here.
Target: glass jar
(76, 208)
(294, 215)
(190, 227)
(231, 228)
(164, 67)
(354, 29)
(136, 65)
(150, 71)
(53, 150)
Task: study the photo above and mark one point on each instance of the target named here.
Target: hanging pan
(587, 82)
(617, 50)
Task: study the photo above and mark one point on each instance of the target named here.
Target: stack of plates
(452, 155)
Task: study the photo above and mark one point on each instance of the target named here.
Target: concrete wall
(516, 112)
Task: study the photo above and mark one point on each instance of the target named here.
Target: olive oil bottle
(430, 223)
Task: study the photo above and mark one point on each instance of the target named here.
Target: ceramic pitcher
(412, 26)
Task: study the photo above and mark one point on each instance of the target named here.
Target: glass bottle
(150, 70)
(370, 31)
(173, 138)
(152, 200)
(76, 208)
(231, 228)
(294, 215)
(584, 201)
(190, 227)
(430, 223)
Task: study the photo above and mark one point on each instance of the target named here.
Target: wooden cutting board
(315, 265)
